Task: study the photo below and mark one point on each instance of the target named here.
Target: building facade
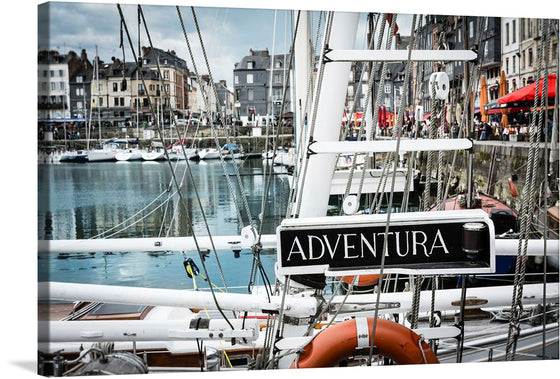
(259, 87)
(54, 73)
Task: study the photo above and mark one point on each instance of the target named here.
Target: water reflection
(79, 201)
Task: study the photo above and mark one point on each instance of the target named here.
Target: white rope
(528, 195)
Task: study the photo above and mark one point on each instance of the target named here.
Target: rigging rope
(185, 155)
(528, 194)
(214, 133)
(321, 73)
(205, 100)
(257, 248)
(189, 223)
(304, 117)
(398, 132)
(371, 69)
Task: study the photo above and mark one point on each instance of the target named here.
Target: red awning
(527, 93)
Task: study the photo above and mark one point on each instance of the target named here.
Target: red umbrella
(384, 117)
(527, 93)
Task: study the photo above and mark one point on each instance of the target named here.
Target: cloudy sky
(229, 28)
(228, 33)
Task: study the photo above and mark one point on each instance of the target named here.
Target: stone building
(259, 87)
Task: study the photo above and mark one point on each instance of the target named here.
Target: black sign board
(443, 242)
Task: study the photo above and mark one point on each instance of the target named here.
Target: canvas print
(232, 189)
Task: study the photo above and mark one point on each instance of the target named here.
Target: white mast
(271, 77)
(97, 83)
(315, 190)
(302, 75)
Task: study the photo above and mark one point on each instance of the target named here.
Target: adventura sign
(446, 242)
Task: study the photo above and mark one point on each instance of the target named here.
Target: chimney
(251, 52)
(145, 51)
(223, 82)
(83, 55)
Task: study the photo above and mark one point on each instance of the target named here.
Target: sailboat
(303, 324)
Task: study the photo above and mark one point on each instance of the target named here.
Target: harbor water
(139, 199)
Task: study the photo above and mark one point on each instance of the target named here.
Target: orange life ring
(363, 280)
(512, 188)
(339, 341)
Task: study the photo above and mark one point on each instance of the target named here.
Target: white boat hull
(101, 155)
(209, 154)
(153, 156)
(128, 155)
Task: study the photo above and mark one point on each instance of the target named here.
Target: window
(60, 73)
(236, 79)
(278, 64)
(250, 65)
(115, 87)
(61, 86)
(507, 65)
(166, 75)
(121, 101)
(387, 88)
(53, 86)
(166, 86)
(277, 78)
(522, 64)
(116, 101)
(350, 90)
(249, 78)
(471, 29)
(79, 92)
(513, 32)
(513, 67)
(141, 88)
(99, 87)
(250, 95)
(530, 57)
(364, 89)
(123, 85)
(79, 79)
(52, 73)
(80, 105)
(507, 34)
(44, 86)
(45, 73)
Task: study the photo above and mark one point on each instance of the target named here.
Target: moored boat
(155, 153)
(209, 153)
